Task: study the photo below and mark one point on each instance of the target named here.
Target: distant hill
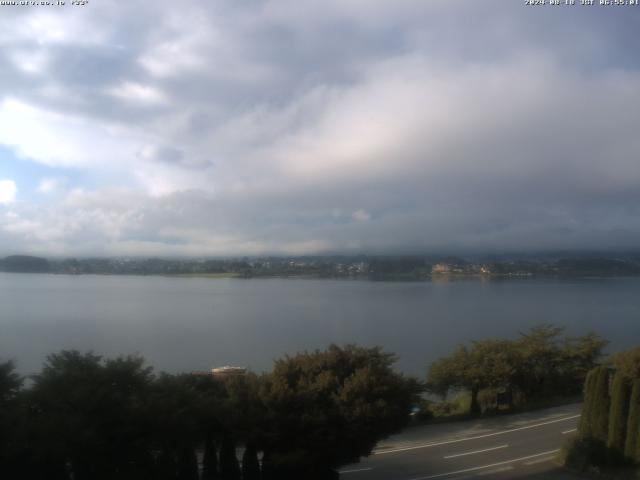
(24, 264)
(597, 266)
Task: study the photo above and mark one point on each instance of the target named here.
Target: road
(514, 446)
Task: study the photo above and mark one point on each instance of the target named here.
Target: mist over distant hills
(24, 264)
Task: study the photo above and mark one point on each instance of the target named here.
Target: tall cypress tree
(229, 468)
(166, 466)
(267, 471)
(636, 457)
(594, 423)
(210, 460)
(601, 405)
(585, 429)
(633, 423)
(618, 415)
(187, 464)
(250, 464)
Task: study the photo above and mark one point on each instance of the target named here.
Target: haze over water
(185, 324)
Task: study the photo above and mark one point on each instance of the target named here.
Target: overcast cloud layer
(294, 127)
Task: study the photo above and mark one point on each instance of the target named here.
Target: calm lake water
(184, 324)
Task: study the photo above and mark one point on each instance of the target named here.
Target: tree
(229, 467)
(537, 364)
(618, 415)
(452, 372)
(10, 422)
(540, 361)
(90, 414)
(231, 410)
(166, 466)
(579, 356)
(10, 382)
(487, 364)
(627, 367)
(633, 424)
(601, 406)
(329, 408)
(590, 448)
(628, 363)
(210, 460)
(242, 410)
(187, 464)
(87, 417)
(250, 464)
(175, 429)
(495, 363)
(585, 427)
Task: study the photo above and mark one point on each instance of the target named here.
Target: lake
(185, 324)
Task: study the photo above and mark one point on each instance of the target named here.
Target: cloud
(30, 61)
(360, 216)
(137, 93)
(49, 185)
(58, 140)
(8, 190)
(275, 127)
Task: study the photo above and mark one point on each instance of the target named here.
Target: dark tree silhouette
(329, 408)
(90, 418)
(12, 439)
(90, 414)
(210, 460)
(250, 464)
(229, 467)
(187, 464)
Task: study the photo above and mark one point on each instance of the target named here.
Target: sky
(254, 127)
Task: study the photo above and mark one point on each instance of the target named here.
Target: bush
(584, 454)
(423, 410)
(459, 405)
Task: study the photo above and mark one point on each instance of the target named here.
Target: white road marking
(566, 432)
(476, 451)
(447, 442)
(356, 470)
(484, 467)
(539, 460)
(495, 470)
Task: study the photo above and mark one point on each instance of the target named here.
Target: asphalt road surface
(514, 446)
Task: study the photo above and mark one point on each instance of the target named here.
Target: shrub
(583, 454)
(459, 405)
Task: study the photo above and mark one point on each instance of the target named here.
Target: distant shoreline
(388, 268)
(364, 278)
